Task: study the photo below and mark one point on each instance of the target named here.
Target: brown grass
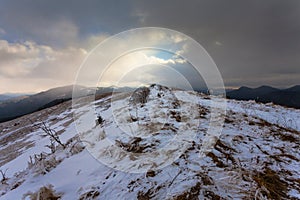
(263, 123)
(191, 194)
(216, 160)
(251, 123)
(212, 195)
(219, 143)
(269, 179)
(287, 138)
(206, 179)
(44, 193)
(145, 196)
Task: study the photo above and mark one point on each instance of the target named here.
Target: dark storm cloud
(249, 39)
(253, 42)
(35, 20)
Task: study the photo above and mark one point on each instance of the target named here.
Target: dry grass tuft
(44, 193)
(216, 160)
(276, 188)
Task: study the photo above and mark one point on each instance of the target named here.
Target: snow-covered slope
(255, 157)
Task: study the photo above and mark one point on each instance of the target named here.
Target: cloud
(18, 59)
(144, 60)
(48, 40)
(31, 61)
(92, 41)
(162, 74)
(134, 40)
(155, 60)
(28, 61)
(60, 33)
(57, 23)
(261, 38)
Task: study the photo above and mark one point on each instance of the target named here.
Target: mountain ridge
(255, 157)
(19, 106)
(265, 94)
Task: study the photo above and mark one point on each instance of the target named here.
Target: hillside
(255, 157)
(16, 107)
(13, 108)
(4, 97)
(12, 96)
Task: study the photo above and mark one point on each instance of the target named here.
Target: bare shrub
(52, 134)
(3, 175)
(99, 120)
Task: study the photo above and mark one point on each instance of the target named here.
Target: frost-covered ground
(256, 155)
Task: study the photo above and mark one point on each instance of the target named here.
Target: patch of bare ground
(26, 120)
(203, 111)
(216, 160)
(120, 96)
(134, 145)
(18, 130)
(275, 127)
(101, 96)
(12, 151)
(14, 135)
(175, 115)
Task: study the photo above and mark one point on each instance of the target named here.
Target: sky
(253, 42)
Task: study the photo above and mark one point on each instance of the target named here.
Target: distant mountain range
(13, 106)
(8, 96)
(4, 97)
(286, 97)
